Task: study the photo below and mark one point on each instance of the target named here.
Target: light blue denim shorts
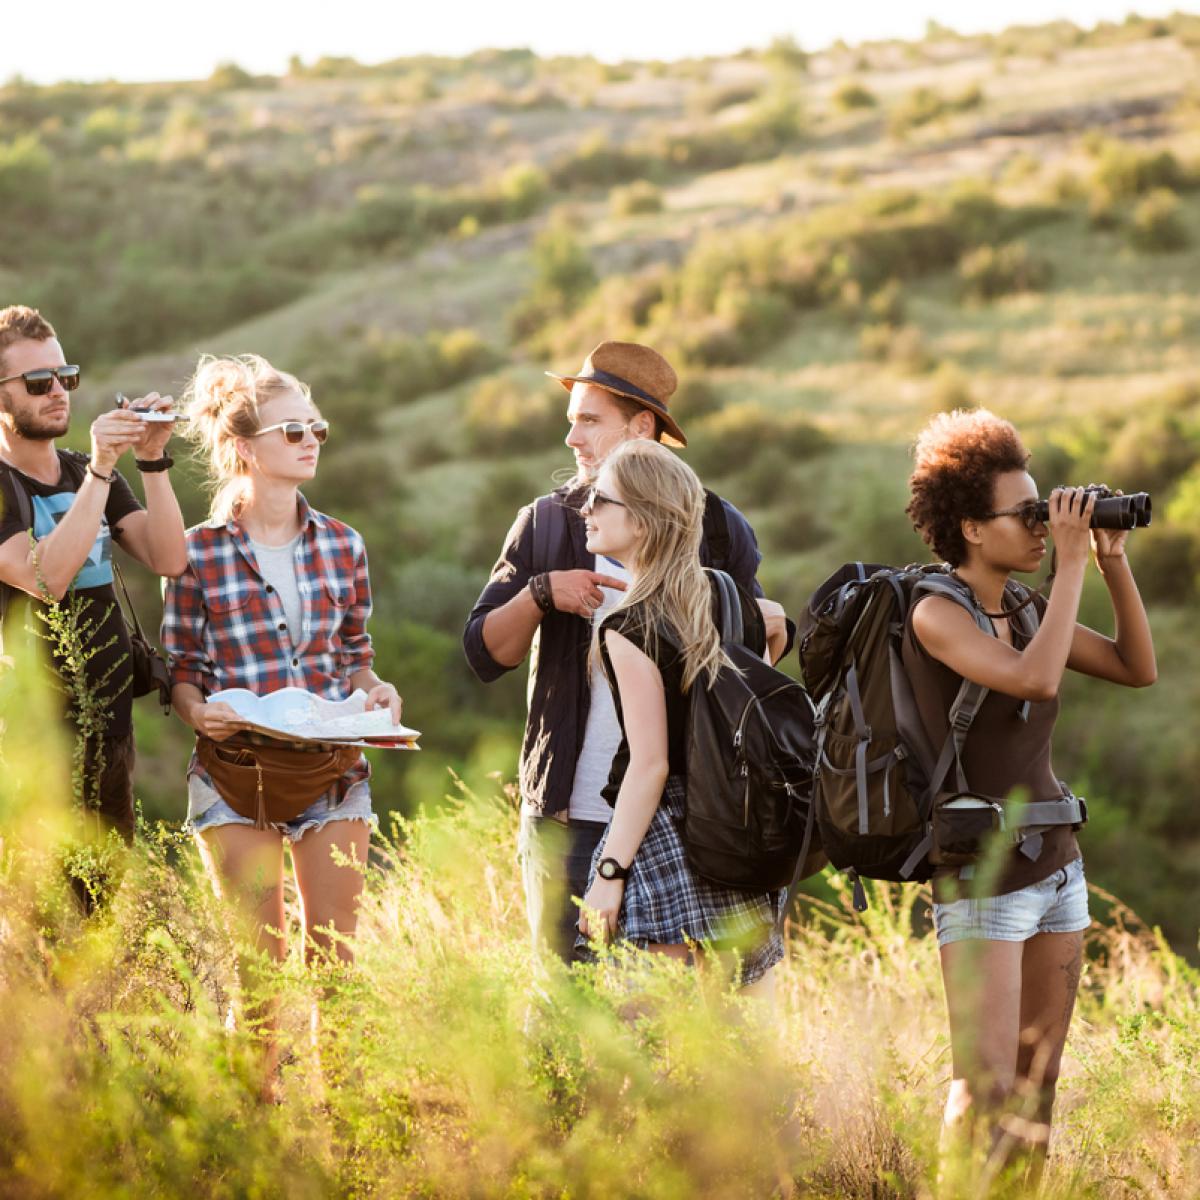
(206, 810)
(1058, 904)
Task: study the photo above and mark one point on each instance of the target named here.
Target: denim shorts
(1058, 904)
(206, 810)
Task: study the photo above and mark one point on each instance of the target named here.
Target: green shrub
(598, 163)
(1166, 560)
(1156, 226)
(1123, 171)
(712, 100)
(26, 171)
(523, 187)
(507, 414)
(988, 272)
(635, 198)
(850, 94)
(923, 105)
(110, 126)
(898, 345)
(733, 437)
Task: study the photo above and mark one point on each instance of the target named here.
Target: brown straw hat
(635, 372)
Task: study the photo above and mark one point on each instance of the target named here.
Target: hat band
(617, 384)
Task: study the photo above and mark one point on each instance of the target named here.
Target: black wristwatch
(609, 868)
(150, 466)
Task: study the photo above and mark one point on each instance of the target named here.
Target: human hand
(1070, 520)
(113, 433)
(155, 434)
(217, 721)
(775, 621)
(579, 591)
(601, 908)
(384, 695)
(1108, 544)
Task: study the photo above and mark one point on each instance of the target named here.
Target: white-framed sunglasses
(294, 431)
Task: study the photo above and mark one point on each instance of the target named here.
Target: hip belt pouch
(963, 825)
(274, 782)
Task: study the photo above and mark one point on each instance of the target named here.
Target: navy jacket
(559, 691)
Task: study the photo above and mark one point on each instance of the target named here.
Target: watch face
(609, 868)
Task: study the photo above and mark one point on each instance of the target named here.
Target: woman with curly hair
(659, 642)
(1011, 933)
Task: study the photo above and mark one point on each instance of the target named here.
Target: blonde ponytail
(223, 399)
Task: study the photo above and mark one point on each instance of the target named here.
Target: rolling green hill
(831, 247)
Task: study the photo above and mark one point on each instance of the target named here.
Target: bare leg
(983, 997)
(330, 889)
(246, 867)
(1050, 971)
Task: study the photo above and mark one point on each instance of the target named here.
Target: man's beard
(34, 429)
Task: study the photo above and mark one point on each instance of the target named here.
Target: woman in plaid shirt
(275, 595)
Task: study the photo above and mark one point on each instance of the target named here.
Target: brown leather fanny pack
(272, 783)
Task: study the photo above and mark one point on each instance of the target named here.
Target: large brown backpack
(880, 789)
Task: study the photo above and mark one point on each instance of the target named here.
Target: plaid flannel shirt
(224, 625)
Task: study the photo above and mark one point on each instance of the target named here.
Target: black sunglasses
(39, 382)
(1026, 513)
(293, 431)
(597, 499)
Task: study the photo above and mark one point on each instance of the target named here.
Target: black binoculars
(1111, 512)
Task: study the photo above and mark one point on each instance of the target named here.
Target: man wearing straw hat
(546, 592)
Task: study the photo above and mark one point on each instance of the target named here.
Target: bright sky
(178, 39)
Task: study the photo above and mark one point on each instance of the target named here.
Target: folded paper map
(301, 716)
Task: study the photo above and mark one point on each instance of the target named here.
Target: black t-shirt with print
(93, 584)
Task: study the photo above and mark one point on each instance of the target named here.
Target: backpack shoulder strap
(716, 530)
(549, 531)
(25, 513)
(732, 627)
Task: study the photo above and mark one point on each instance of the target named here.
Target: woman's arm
(644, 709)
(1129, 657)
(949, 633)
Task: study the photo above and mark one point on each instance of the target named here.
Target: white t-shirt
(277, 565)
(602, 735)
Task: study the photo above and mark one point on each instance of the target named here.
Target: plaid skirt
(666, 902)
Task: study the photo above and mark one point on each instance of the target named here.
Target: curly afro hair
(958, 456)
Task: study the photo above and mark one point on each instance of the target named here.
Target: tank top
(1003, 753)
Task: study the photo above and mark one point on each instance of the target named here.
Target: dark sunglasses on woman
(293, 431)
(39, 382)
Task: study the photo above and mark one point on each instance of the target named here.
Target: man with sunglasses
(59, 513)
(547, 592)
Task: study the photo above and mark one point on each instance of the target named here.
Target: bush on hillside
(635, 198)
(734, 436)
(505, 415)
(26, 171)
(924, 105)
(850, 94)
(1156, 226)
(897, 345)
(989, 272)
(1123, 171)
(596, 162)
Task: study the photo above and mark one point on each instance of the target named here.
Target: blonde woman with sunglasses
(659, 643)
(275, 595)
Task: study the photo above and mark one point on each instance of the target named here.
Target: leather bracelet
(539, 589)
(149, 466)
(103, 478)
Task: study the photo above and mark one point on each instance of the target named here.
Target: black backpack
(888, 805)
(750, 754)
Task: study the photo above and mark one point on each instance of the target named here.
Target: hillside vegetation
(830, 246)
